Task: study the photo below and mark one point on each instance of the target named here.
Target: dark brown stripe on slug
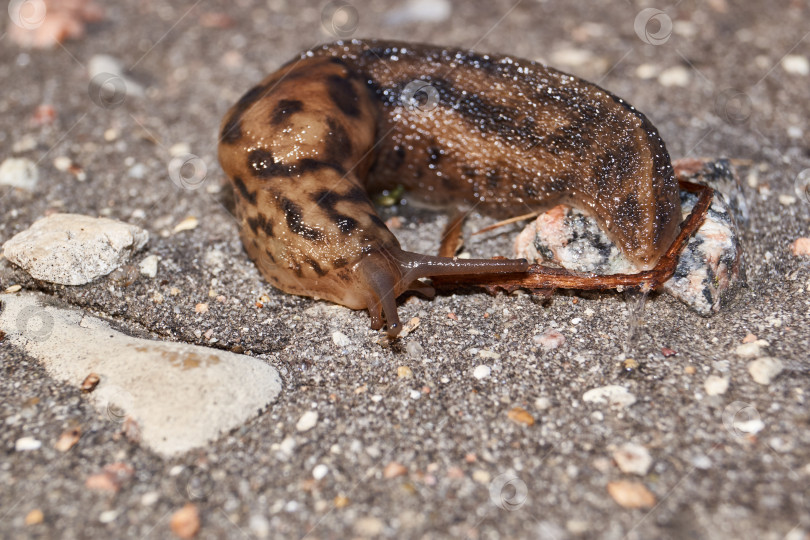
(284, 109)
(342, 93)
(293, 216)
(249, 196)
(262, 163)
(260, 222)
(315, 266)
(232, 130)
(339, 144)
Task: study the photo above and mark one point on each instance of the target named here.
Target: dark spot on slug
(261, 162)
(396, 157)
(346, 224)
(375, 219)
(339, 144)
(270, 256)
(261, 223)
(434, 155)
(284, 109)
(343, 95)
(308, 165)
(340, 262)
(292, 214)
(315, 266)
(493, 179)
(249, 196)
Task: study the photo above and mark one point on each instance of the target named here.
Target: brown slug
(459, 130)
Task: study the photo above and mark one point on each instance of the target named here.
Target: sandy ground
(713, 77)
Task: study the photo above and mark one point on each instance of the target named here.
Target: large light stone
(181, 396)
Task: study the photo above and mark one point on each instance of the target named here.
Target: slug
(502, 135)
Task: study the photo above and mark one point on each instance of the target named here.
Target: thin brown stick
(506, 222)
(451, 236)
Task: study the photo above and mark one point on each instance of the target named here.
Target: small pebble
(149, 498)
(484, 353)
(613, 395)
(715, 385)
(787, 200)
(631, 494)
(320, 471)
(752, 426)
(340, 339)
(751, 349)
(801, 247)
(187, 224)
(414, 350)
(482, 372)
(749, 338)
(13, 289)
(369, 526)
(404, 372)
(548, 340)
(25, 444)
(764, 370)
(481, 476)
(633, 459)
(259, 526)
(108, 516)
(185, 523)
(521, 416)
(20, 173)
(202, 307)
(796, 64)
(542, 403)
(34, 517)
(675, 76)
(702, 462)
(68, 439)
(393, 470)
(149, 266)
(307, 421)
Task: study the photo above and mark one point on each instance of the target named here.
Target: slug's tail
(390, 272)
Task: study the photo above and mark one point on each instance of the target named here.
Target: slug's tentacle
(392, 271)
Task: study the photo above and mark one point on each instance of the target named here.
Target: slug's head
(384, 274)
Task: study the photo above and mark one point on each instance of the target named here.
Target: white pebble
(633, 459)
(108, 516)
(62, 163)
(340, 339)
(796, 64)
(549, 340)
(415, 394)
(764, 370)
(24, 444)
(414, 349)
(787, 200)
(149, 498)
(753, 426)
(259, 526)
(542, 403)
(485, 353)
(149, 266)
(307, 421)
(750, 350)
(482, 372)
(675, 76)
(715, 386)
(646, 71)
(702, 461)
(613, 395)
(20, 173)
(320, 471)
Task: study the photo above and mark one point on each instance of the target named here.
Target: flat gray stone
(181, 396)
(73, 249)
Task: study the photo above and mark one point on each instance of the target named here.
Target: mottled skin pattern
(502, 135)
